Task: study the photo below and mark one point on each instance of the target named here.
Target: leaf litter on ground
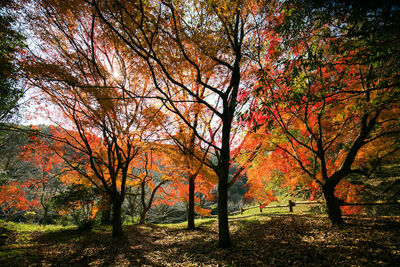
(268, 240)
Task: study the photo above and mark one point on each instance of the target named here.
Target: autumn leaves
(149, 94)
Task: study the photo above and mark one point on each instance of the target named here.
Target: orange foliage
(12, 196)
(317, 119)
(40, 153)
(181, 166)
(349, 193)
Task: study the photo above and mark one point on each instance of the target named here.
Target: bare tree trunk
(224, 164)
(333, 205)
(116, 219)
(106, 212)
(190, 215)
(142, 219)
(223, 174)
(45, 215)
(223, 223)
(45, 209)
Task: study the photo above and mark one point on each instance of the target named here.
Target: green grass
(25, 227)
(22, 236)
(271, 211)
(247, 214)
(182, 225)
(250, 214)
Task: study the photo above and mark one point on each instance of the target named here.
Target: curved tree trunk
(333, 205)
(190, 215)
(45, 209)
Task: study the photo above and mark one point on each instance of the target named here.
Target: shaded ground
(284, 240)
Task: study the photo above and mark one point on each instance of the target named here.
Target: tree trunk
(223, 223)
(223, 170)
(333, 205)
(142, 219)
(132, 208)
(106, 212)
(190, 215)
(45, 209)
(45, 215)
(116, 219)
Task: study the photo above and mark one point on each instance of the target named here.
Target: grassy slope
(259, 240)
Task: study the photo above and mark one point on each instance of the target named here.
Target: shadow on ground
(284, 240)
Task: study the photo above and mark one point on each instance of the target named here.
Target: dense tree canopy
(98, 90)
(213, 44)
(329, 99)
(159, 102)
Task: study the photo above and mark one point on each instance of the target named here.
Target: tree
(11, 165)
(147, 166)
(80, 202)
(85, 76)
(13, 199)
(11, 43)
(17, 177)
(187, 154)
(192, 183)
(214, 40)
(39, 153)
(332, 92)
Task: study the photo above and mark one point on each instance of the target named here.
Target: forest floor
(263, 240)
